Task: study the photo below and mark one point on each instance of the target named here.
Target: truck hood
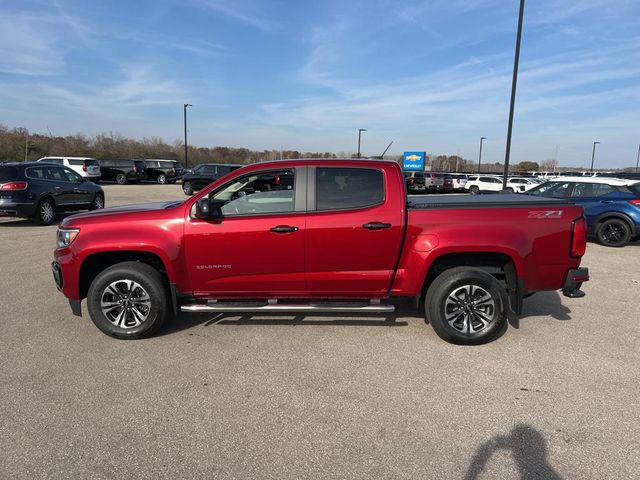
(118, 211)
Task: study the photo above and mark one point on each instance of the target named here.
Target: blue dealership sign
(413, 161)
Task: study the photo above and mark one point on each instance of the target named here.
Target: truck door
(258, 247)
(354, 230)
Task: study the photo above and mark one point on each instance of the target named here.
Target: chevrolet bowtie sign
(413, 161)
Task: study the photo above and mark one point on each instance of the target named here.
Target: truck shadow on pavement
(528, 448)
(540, 305)
(190, 320)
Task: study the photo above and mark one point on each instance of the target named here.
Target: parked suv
(521, 184)
(85, 167)
(415, 182)
(162, 171)
(611, 205)
(123, 170)
(484, 183)
(459, 180)
(438, 181)
(39, 190)
(204, 174)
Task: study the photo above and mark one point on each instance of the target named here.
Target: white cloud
(240, 10)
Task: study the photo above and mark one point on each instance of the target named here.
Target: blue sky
(429, 75)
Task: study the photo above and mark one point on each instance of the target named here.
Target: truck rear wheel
(466, 306)
(128, 300)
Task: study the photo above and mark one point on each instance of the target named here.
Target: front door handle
(606, 201)
(284, 229)
(376, 225)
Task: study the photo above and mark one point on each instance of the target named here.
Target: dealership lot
(230, 396)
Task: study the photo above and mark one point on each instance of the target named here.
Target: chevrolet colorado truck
(342, 236)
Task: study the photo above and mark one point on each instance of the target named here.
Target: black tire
(98, 202)
(124, 321)
(121, 179)
(161, 179)
(614, 232)
(474, 190)
(476, 323)
(187, 188)
(45, 212)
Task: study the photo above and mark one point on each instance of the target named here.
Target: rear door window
(76, 163)
(348, 188)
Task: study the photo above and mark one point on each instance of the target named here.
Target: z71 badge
(545, 214)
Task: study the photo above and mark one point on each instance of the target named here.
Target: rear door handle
(376, 225)
(284, 229)
(606, 201)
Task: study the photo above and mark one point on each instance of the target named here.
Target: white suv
(483, 183)
(521, 184)
(83, 166)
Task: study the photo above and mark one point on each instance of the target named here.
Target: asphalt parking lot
(247, 396)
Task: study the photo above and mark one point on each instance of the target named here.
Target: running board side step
(319, 307)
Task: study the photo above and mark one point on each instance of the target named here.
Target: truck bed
(425, 202)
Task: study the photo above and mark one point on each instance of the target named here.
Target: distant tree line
(19, 143)
(16, 142)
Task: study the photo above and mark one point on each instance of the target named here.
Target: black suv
(204, 174)
(123, 170)
(39, 190)
(163, 171)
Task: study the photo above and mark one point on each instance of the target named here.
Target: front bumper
(59, 279)
(573, 281)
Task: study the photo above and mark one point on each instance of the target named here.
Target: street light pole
(26, 146)
(480, 154)
(638, 159)
(514, 83)
(186, 158)
(360, 130)
(593, 154)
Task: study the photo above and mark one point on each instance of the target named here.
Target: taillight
(14, 186)
(579, 238)
(84, 168)
(278, 180)
(411, 181)
(135, 169)
(635, 202)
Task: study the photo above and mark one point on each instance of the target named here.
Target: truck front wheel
(466, 306)
(128, 300)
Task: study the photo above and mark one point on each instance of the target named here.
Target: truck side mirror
(209, 208)
(202, 208)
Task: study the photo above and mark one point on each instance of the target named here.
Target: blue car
(611, 205)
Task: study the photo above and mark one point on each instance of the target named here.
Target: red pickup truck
(337, 236)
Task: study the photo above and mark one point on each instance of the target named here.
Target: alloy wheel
(125, 303)
(470, 309)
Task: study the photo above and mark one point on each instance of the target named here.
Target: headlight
(66, 236)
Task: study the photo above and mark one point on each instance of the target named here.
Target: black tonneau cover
(498, 200)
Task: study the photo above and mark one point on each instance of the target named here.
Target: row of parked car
(39, 190)
(441, 182)
(121, 170)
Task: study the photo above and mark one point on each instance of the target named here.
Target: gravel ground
(274, 397)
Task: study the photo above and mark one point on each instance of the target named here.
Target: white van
(84, 166)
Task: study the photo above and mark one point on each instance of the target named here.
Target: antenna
(385, 150)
